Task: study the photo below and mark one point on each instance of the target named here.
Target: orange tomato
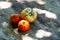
(14, 18)
(23, 25)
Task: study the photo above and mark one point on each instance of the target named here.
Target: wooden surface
(42, 22)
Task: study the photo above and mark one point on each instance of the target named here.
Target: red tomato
(23, 25)
(14, 18)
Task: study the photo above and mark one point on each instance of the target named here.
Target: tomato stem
(23, 22)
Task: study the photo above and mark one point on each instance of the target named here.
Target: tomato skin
(14, 18)
(23, 25)
(29, 15)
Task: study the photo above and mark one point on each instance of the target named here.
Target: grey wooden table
(42, 22)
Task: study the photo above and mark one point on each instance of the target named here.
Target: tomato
(23, 25)
(14, 18)
(28, 14)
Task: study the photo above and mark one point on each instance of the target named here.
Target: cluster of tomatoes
(23, 19)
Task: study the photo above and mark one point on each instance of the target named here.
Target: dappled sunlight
(21, 1)
(47, 13)
(16, 31)
(50, 15)
(41, 2)
(43, 33)
(4, 24)
(4, 5)
(40, 11)
(26, 37)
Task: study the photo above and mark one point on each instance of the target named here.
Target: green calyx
(28, 11)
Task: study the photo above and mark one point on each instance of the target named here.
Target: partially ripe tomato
(29, 15)
(23, 25)
(14, 18)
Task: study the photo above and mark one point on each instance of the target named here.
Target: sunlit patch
(21, 1)
(40, 11)
(18, 0)
(47, 13)
(43, 33)
(50, 15)
(4, 5)
(41, 2)
(26, 37)
(16, 31)
(4, 24)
